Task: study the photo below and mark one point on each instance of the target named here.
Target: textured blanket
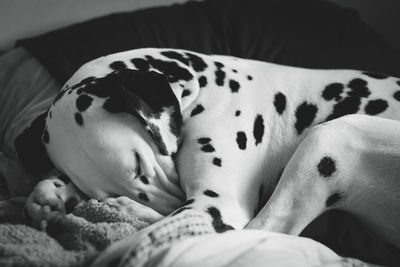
(74, 240)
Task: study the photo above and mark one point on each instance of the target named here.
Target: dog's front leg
(351, 163)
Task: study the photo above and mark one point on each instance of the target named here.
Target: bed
(311, 33)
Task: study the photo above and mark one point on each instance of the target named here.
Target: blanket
(74, 240)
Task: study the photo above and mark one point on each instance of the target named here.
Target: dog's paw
(133, 208)
(51, 199)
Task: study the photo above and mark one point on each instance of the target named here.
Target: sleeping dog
(255, 144)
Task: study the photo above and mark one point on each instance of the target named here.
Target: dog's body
(234, 127)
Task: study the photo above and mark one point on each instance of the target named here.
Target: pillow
(311, 33)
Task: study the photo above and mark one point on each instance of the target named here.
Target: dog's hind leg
(351, 163)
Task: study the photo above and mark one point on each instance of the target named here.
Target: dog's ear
(30, 148)
(149, 96)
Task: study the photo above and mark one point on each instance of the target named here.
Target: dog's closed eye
(138, 166)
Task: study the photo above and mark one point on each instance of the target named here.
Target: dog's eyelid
(138, 168)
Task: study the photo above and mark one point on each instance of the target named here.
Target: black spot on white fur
(333, 91)
(143, 196)
(234, 85)
(249, 77)
(171, 69)
(83, 102)
(217, 162)
(175, 55)
(326, 167)
(280, 102)
(241, 140)
(207, 148)
(118, 65)
(204, 140)
(144, 179)
(375, 107)
(396, 95)
(210, 193)
(305, 115)
(203, 81)
(374, 75)
(358, 88)
(333, 199)
(78, 118)
(197, 110)
(197, 63)
(237, 113)
(185, 93)
(219, 74)
(217, 222)
(258, 129)
(348, 105)
(141, 64)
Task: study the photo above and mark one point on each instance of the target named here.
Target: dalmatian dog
(255, 144)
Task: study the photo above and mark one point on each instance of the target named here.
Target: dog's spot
(207, 148)
(203, 81)
(198, 109)
(144, 179)
(46, 136)
(83, 102)
(176, 55)
(258, 129)
(204, 140)
(219, 64)
(305, 115)
(333, 91)
(359, 88)
(78, 118)
(198, 64)
(180, 210)
(241, 140)
(280, 102)
(171, 69)
(326, 166)
(219, 74)
(217, 222)
(234, 70)
(375, 107)
(50, 115)
(141, 64)
(237, 113)
(185, 93)
(333, 199)
(210, 193)
(249, 77)
(114, 105)
(234, 85)
(396, 95)
(118, 65)
(374, 75)
(349, 105)
(143, 196)
(217, 162)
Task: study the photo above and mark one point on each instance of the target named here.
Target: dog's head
(113, 135)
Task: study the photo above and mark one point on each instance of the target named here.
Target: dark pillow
(307, 33)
